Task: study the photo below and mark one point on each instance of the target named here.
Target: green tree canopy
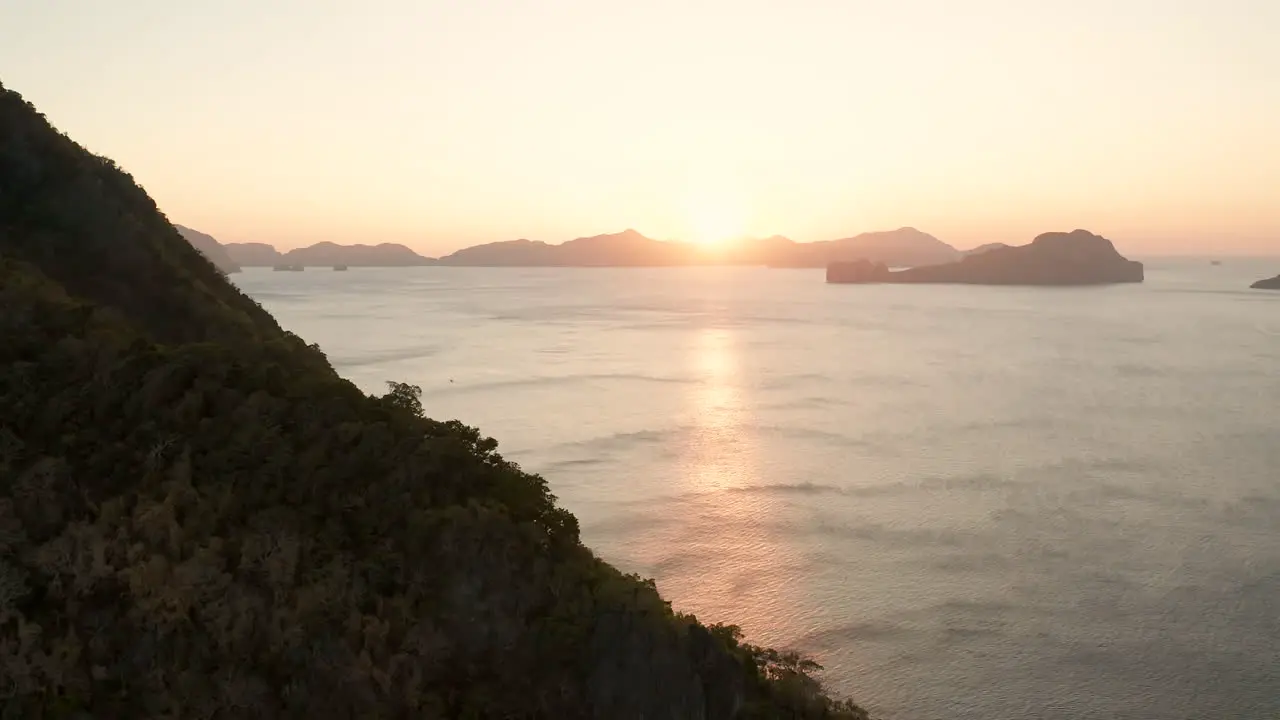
(200, 519)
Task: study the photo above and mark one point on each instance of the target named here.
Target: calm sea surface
(988, 503)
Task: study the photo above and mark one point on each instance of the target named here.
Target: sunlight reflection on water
(987, 503)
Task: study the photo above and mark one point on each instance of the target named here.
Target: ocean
(965, 502)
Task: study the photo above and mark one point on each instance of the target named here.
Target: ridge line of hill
(200, 518)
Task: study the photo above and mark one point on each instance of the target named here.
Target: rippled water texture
(966, 502)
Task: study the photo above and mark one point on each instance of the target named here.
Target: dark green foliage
(406, 396)
(86, 225)
(782, 683)
(199, 519)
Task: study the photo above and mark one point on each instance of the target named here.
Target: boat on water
(288, 268)
(340, 268)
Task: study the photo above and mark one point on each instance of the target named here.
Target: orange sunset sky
(445, 124)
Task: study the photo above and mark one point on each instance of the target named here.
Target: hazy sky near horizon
(444, 124)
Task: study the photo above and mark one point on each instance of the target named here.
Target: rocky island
(200, 518)
(986, 248)
(1075, 258)
(1268, 284)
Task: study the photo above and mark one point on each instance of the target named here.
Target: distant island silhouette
(1268, 284)
(1056, 258)
(628, 248)
(382, 255)
(985, 248)
(210, 248)
(1075, 258)
(254, 254)
(904, 247)
(326, 253)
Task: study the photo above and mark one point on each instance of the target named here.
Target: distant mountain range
(904, 247)
(326, 253)
(627, 248)
(210, 248)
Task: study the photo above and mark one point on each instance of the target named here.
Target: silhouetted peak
(522, 242)
(86, 225)
(987, 247)
(1055, 258)
(901, 233)
(629, 235)
(1076, 238)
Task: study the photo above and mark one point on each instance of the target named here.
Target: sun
(715, 228)
(717, 223)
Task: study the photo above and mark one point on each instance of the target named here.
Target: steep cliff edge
(198, 518)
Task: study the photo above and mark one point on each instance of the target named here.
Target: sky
(441, 124)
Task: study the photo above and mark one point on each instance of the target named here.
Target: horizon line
(711, 249)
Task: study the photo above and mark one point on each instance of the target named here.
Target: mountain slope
(85, 224)
(198, 518)
(904, 247)
(507, 253)
(210, 248)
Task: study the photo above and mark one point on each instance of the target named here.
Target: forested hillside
(200, 519)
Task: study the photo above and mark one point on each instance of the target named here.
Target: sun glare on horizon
(716, 218)
(716, 227)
